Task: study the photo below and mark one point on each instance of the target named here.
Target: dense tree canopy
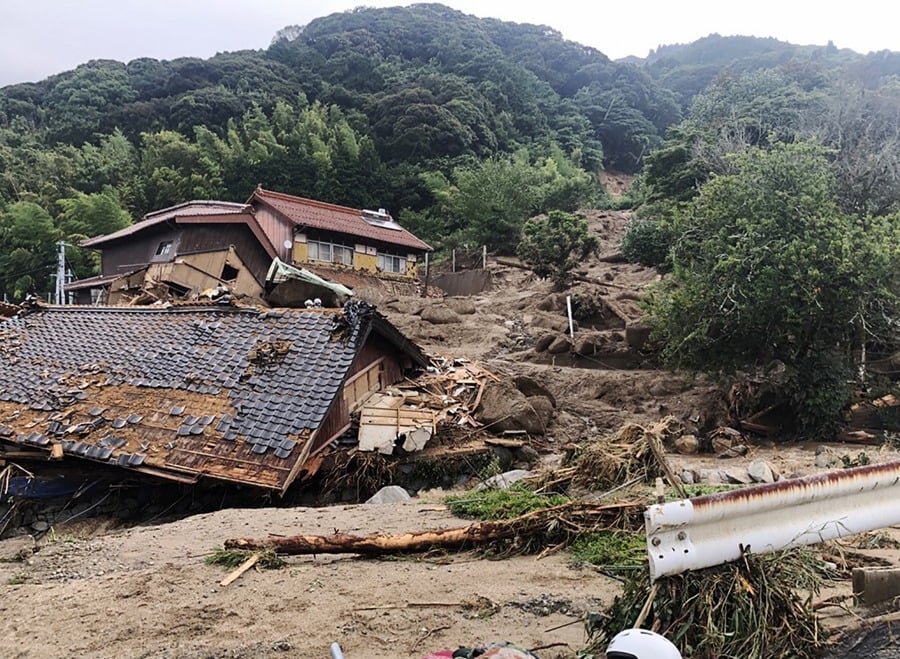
(768, 267)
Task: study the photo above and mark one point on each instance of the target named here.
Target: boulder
(826, 457)
(761, 472)
(505, 408)
(389, 494)
(461, 305)
(531, 387)
(440, 315)
(586, 345)
(711, 476)
(560, 345)
(544, 342)
(553, 302)
(636, 335)
(738, 476)
(504, 480)
(688, 477)
(409, 306)
(687, 445)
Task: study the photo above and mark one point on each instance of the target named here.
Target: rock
(461, 305)
(688, 477)
(586, 346)
(505, 408)
(440, 315)
(711, 476)
(720, 444)
(409, 306)
(636, 335)
(40, 526)
(389, 494)
(527, 455)
(760, 471)
(544, 342)
(560, 344)
(687, 444)
(554, 302)
(738, 476)
(733, 452)
(504, 480)
(826, 457)
(542, 414)
(531, 387)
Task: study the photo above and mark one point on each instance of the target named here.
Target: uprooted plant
(557, 526)
(758, 606)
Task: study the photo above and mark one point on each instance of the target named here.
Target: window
(164, 248)
(322, 251)
(391, 263)
(229, 273)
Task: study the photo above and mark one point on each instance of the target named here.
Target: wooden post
(427, 275)
(453, 260)
(569, 314)
(484, 257)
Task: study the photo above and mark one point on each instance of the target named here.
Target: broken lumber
(238, 571)
(552, 525)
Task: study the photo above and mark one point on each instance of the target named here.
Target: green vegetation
(493, 504)
(611, 549)
(232, 558)
(766, 266)
(553, 245)
(753, 607)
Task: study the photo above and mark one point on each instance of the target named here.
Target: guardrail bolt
(656, 542)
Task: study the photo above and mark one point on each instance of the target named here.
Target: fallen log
(551, 525)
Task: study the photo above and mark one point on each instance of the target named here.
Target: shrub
(555, 244)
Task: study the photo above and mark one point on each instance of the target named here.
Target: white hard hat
(641, 644)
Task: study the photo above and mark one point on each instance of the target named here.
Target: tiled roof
(187, 209)
(331, 217)
(227, 393)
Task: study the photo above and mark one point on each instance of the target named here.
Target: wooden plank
(246, 565)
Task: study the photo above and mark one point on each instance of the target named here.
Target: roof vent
(380, 218)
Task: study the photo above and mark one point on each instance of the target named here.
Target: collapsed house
(181, 251)
(193, 246)
(193, 393)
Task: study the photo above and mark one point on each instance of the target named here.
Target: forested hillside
(463, 127)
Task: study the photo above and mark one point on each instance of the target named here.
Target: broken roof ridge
(237, 206)
(308, 201)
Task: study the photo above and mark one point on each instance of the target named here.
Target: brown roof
(331, 217)
(187, 209)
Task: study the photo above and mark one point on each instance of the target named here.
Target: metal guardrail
(717, 528)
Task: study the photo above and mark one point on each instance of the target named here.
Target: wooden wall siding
(205, 237)
(388, 372)
(136, 252)
(277, 229)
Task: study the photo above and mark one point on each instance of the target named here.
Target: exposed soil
(146, 592)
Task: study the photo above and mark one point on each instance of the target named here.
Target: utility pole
(61, 273)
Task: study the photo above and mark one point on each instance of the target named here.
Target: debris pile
(748, 608)
(408, 415)
(633, 455)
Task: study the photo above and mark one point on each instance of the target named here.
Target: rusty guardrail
(711, 530)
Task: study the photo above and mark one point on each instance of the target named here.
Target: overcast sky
(42, 37)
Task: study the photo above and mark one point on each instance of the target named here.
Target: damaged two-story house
(200, 245)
